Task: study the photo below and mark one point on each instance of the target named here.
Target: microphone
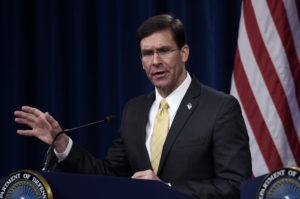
(51, 159)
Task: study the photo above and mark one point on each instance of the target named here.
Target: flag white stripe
(260, 167)
(275, 52)
(275, 47)
(264, 101)
(293, 17)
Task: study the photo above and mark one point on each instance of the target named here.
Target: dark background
(79, 61)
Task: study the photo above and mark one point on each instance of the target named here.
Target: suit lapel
(144, 118)
(187, 106)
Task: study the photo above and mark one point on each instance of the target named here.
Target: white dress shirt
(174, 100)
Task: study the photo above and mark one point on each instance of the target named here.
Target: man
(205, 151)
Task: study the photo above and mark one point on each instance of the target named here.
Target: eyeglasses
(163, 53)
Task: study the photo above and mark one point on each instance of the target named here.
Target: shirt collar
(174, 98)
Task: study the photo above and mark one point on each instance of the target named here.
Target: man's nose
(156, 58)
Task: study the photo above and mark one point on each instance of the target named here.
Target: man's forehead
(157, 40)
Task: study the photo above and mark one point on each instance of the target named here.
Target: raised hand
(43, 126)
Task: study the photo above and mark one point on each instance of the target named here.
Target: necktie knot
(164, 104)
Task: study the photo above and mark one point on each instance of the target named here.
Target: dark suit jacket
(206, 153)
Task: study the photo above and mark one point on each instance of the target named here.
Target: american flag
(266, 81)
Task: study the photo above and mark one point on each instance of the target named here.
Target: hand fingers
(24, 118)
(52, 122)
(32, 117)
(43, 125)
(27, 113)
(25, 132)
(45, 139)
(50, 119)
(34, 111)
(22, 121)
(147, 174)
(136, 175)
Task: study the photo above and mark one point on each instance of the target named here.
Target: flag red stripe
(271, 78)
(284, 31)
(254, 116)
(298, 8)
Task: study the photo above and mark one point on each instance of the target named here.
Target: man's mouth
(159, 74)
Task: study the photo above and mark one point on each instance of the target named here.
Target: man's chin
(160, 84)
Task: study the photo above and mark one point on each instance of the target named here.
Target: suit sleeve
(81, 161)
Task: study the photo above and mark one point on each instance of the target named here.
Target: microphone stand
(50, 162)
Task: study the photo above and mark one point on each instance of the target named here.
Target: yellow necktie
(160, 131)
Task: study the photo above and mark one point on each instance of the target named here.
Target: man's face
(163, 62)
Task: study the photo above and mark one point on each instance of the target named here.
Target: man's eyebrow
(160, 48)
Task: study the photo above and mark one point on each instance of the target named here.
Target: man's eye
(163, 51)
(148, 53)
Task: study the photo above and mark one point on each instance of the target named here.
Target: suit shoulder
(211, 92)
(141, 100)
(214, 96)
(199, 89)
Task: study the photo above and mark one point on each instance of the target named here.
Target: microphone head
(110, 118)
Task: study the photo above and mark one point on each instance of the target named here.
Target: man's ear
(185, 51)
